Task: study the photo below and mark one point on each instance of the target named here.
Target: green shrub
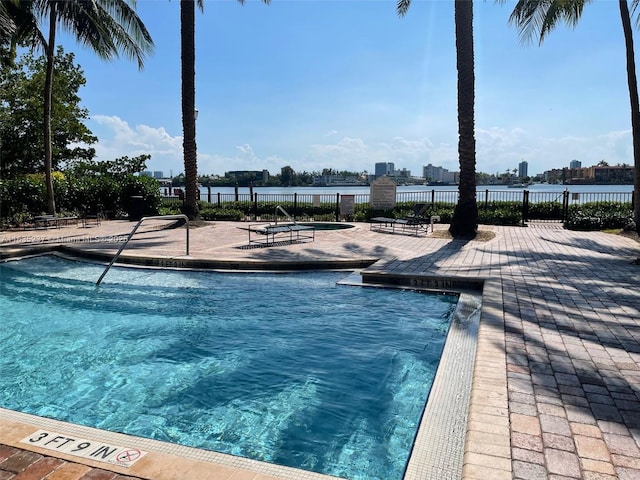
(221, 214)
(145, 187)
(545, 211)
(24, 197)
(598, 216)
(500, 213)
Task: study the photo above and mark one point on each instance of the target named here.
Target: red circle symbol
(128, 456)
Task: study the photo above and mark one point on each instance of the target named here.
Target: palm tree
(538, 18)
(108, 27)
(188, 60)
(465, 217)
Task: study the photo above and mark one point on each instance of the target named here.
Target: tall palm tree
(108, 27)
(465, 217)
(540, 17)
(188, 60)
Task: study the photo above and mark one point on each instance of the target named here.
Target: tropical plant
(540, 17)
(108, 27)
(21, 86)
(464, 223)
(188, 54)
(17, 26)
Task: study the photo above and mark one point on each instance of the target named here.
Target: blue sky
(345, 84)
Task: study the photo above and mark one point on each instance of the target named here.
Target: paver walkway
(556, 391)
(16, 464)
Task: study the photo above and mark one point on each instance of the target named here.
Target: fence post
(525, 206)
(219, 202)
(337, 207)
(235, 189)
(209, 193)
(565, 205)
(295, 204)
(433, 198)
(486, 198)
(255, 206)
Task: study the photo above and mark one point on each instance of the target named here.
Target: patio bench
(89, 219)
(46, 221)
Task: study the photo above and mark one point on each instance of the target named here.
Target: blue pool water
(285, 368)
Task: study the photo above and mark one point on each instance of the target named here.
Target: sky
(315, 84)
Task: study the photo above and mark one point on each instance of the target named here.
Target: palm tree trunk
(187, 39)
(465, 217)
(635, 107)
(48, 94)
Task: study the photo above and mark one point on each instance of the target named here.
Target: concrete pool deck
(556, 383)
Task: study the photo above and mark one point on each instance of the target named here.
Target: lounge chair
(411, 223)
(275, 233)
(417, 217)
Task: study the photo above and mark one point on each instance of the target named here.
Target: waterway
(419, 193)
(355, 190)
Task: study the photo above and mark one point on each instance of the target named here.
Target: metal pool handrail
(159, 217)
(278, 207)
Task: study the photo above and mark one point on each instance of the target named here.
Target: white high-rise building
(432, 173)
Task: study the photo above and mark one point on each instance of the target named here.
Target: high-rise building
(158, 174)
(383, 168)
(523, 169)
(432, 173)
(575, 164)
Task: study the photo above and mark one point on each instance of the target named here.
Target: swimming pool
(317, 376)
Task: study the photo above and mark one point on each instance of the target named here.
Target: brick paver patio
(556, 389)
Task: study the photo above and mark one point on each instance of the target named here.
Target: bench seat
(46, 221)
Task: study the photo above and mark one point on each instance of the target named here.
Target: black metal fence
(552, 206)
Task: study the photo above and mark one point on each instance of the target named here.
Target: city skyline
(429, 172)
(345, 85)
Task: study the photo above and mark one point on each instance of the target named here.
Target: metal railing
(286, 214)
(544, 205)
(126, 242)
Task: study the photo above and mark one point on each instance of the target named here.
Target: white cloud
(498, 149)
(245, 159)
(356, 154)
(117, 138)
(501, 149)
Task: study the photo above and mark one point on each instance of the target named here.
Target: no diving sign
(81, 447)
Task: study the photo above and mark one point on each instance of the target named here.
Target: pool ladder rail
(286, 214)
(135, 228)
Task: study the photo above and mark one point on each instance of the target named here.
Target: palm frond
(537, 18)
(108, 27)
(402, 7)
(19, 25)
(632, 11)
